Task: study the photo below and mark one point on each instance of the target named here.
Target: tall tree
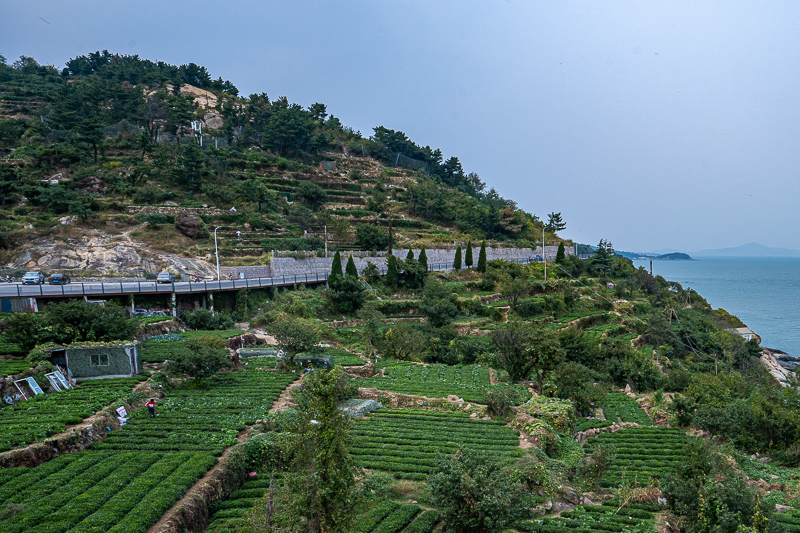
(457, 259)
(482, 258)
(527, 351)
(295, 335)
(324, 486)
(336, 266)
(423, 260)
(561, 254)
(603, 255)
(468, 256)
(392, 278)
(350, 270)
(555, 223)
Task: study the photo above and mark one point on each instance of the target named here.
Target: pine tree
(391, 272)
(457, 260)
(410, 255)
(351, 270)
(336, 266)
(561, 254)
(468, 256)
(482, 258)
(423, 260)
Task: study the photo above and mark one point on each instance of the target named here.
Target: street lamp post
(216, 250)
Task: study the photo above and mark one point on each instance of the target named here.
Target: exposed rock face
(93, 184)
(771, 362)
(106, 253)
(213, 120)
(191, 225)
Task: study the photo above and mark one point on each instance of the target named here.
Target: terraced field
(640, 453)
(469, 382)
(388, 517)
(619, 407)
(406, 442)
(203, 419)
(47, 414)
(634, 518)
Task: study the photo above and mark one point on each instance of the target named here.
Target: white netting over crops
(359, 408)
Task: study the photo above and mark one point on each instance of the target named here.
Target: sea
(764, 292)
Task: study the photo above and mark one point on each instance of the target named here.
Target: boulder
(559, 507)
(191, 225)
(214, 121)
(93, 184)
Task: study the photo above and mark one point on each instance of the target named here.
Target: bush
(475, 494)
(499, 401)
(203, 319)
(203, 357)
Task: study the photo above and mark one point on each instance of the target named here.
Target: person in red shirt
(151, 408)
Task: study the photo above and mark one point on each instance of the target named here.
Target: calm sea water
(764, 292)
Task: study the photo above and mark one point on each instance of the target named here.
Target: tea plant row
(47, 414)
(469, 382)
(632, 518)
(408, 442)
(618, 406)
(640, 454)
(203, 418)
(93, 492)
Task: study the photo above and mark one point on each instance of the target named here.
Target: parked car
(140, 312)
(33, 278)
(165, 277)
(58, 279)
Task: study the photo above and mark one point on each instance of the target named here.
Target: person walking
(151, 408)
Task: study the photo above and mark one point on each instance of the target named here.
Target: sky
(659, 125)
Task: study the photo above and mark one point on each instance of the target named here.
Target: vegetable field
(632, 519)
(204, 418)
(469, 382)
(98, 491)
(640, 453)
(48, 414)
(159, 348)
(407, 442)
(9, 368)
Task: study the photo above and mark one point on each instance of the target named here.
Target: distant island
(672, 256)
(675, 256)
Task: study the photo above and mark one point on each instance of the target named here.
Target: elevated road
(14, 290)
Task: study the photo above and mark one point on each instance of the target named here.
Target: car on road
(165, 277)
(58, 279)
(33, 278)
(140, 312)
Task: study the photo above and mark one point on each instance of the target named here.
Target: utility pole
(326, 241)
(544, 256)
(216, 250)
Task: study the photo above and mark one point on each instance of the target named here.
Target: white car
(33, 278)
(165, 277)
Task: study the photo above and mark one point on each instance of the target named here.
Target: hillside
(118, 163)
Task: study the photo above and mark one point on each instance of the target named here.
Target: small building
(745, 333)
(98, 361)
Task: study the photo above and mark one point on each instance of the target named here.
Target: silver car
(165, 277)
(33, 278)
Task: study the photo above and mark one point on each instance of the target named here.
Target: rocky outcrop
(771, 360)
(191, 225)
(105, 253)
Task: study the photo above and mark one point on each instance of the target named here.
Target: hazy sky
(653, 124)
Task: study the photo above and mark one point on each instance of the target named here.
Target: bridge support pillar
(132, 305)
(211, 301)
(173, 305)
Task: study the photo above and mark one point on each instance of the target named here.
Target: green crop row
(617, 405)
(407, 442)
(591, 423)
(606, 518)
(469, 382)
(9, 368)
(47, 414)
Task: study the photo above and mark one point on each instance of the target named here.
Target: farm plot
(160, 348)
(48, 414)
(618, 406)
(407, 442)
(469, 382)
(788, 521)
(206, 418)
(634, 518)
(98, 491)
(9, 368)
(640, 453)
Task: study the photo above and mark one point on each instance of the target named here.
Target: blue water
(764, 292)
